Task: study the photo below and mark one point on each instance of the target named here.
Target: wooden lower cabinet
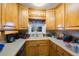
(37, 48)
(56, 50)
(53, 51)
(59, 51)
(62, 52)
(44, 48)
(66, 53)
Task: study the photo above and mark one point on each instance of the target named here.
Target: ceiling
(46, 6)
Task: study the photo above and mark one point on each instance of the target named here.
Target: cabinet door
(31, 48)
(60, 17)
(20, 16)
(59, 51)
(43, 50)
(37, 14)
(9, 16)
(0, 15)
(53, 51)
(50, 19)
(23, 17)
(15, 15)
(8, 12)
(72, 16)
(3, 14)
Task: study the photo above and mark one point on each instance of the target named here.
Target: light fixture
(39, 4)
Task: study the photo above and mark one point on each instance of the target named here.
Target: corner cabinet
(62, 52)
(23, 17)
(50, 19)
(60, 16)
(72, 16)
(56, 50)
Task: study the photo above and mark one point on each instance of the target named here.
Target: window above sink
(36, 26)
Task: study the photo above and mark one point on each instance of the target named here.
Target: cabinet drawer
(31, 43)
(43, 42)
(38, 42)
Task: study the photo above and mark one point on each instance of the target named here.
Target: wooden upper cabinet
(0, 15)
(37, 14)
(33, 12)
(10, 15)
(3, 14)
(15, 14)
(50, 19)
(72, 16)
(23, 17)
(60, 16)
(20, 17)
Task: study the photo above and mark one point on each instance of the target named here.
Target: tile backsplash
(36, 26)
